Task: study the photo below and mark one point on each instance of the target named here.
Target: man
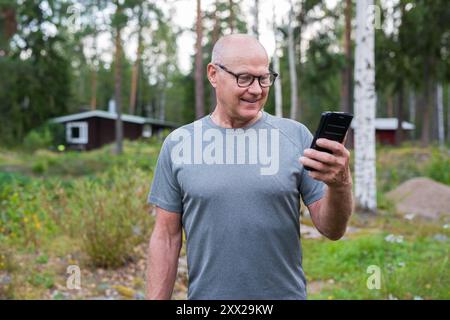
(240, 212)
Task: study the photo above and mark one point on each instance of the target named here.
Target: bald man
(233, 181)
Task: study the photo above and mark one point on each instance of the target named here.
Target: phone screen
(332, 126)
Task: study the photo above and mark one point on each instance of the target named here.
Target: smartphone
(332, 126)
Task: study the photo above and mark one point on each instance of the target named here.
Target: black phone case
(332, 126)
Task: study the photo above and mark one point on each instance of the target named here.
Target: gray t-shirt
(238, 191)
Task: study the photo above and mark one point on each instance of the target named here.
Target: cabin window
(77, 132)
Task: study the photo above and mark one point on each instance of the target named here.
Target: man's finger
(335, 147)
(320, 156)
(308, 162)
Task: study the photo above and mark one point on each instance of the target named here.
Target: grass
(417, 267)
(89, 209)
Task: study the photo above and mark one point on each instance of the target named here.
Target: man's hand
(332, 169)
(331, 213)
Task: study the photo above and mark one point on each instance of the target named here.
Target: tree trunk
(256, 16)
(199, 87)
(448, 113)
(301, 26)
(440, 114)
(292, 69)
(118, 91)
(365, 103)
(8, 15)
(399, 132)
(346, 75)
(135, 72)
(215, 37)
(412, 111)
(162, 106)
(426, 106)
(231, 16)
(93, 88)
(276, 66)
(389, 106)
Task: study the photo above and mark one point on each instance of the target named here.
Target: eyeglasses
(245, 80)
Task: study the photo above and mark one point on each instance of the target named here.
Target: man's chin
(249, 107)
(249, 113)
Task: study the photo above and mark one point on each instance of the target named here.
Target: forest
(148, 60)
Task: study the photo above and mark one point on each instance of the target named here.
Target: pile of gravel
(422, 197)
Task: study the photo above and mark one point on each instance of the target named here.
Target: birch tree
(364, 103)
(346, 103)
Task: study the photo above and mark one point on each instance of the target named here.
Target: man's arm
(330, 214)
(163, 254)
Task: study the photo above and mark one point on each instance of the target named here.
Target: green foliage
(38, 279)
(110, 215)
(35, 140)
(402, 273)
(49, 135)
(396, 165)
(24, 216)
(7, 266)
(438, 167)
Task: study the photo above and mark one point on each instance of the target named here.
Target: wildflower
(393, 238)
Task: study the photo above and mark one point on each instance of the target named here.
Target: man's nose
(255, 87)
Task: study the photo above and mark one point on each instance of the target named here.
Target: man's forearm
(162, 265)
(335, 211)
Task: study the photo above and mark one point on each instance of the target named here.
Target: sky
(186, 42)
(184, 16)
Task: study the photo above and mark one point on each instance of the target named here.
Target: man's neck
(225, 121)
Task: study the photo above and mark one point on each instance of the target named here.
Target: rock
(422, 197)
(5, 279)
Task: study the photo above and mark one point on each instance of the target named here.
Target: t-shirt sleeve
(310, 189)
(165, 191)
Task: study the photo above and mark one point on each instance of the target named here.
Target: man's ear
(212, 73)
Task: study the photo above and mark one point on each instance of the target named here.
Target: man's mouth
(250, 100)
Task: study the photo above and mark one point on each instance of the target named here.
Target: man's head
(239, 54)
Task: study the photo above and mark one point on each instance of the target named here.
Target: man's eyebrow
(253, 74)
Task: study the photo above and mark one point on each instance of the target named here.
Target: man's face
(241, 102)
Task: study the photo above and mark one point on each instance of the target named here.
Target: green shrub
(111, 216)
(24, 216)
(40, 167)
(44, 137)
(438, 168)
(7, 266)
